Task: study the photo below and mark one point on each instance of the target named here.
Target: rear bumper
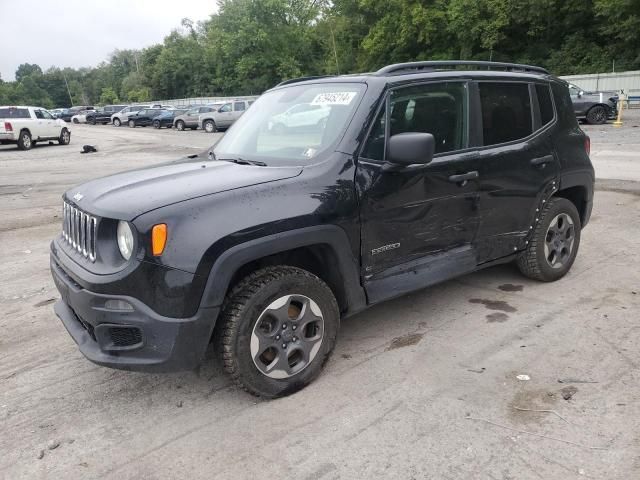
(128, 335)
(8, 137)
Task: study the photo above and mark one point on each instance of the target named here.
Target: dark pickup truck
(420, 173)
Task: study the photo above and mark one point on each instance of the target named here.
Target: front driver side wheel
(277, 328)
(132, 124)
(116, 122)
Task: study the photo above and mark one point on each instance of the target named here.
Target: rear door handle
(464, 177)
(542, 160)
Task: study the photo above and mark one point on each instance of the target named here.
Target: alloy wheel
(559, 241)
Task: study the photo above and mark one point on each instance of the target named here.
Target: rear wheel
(132, 123)
(277, 329)
(116, 122)
(91, 121)
(210, 126)
(75, 120)
(554, 245)
(156, 124)
(597, 115)
(24, 141)
(65, 137)
(180, 125)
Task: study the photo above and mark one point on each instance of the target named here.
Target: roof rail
(302, 79)
(403, 67)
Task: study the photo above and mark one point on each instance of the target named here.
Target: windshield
(293, 125)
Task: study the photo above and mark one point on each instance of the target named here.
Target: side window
(436, 108)
(225, 108)
(239, 106)
(46, 115)
(545, 103)
(39, 114)
(506, 112)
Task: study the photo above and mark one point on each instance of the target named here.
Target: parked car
(224, 117)
(423, 172)
(123, 115)
(303, 115)
(25, 126)
(103, 115)
(593, 107)
(81, 116)
(166, 118)
(191, 118)
(144, 117)
(57, 112)
(66, 116)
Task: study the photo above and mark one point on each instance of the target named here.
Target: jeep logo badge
(78, 196)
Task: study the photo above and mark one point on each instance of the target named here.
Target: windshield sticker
(334, 98)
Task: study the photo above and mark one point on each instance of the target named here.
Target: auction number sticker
(334, 98)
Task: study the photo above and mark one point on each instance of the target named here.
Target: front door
(224, 117)
(418, 222)
(517, 163)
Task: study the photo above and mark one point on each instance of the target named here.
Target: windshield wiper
(243, 161)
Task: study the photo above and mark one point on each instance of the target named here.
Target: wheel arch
(321, 250)
(579, 196)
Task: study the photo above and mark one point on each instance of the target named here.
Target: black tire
(132, 123)
(91, 121)
(180, 125)
(76, 121)
(24, 140)
(65, 137)
(597, 115)
(194, 128)
(534, 261)
(116, 122)
(156, 124)
(209, 126)
(248, 302)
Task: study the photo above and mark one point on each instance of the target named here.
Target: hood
(126, 195)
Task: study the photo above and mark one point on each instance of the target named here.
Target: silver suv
(225, 116)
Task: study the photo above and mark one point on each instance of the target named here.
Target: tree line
(250, 45)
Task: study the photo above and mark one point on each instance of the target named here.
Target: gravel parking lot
(421, 387)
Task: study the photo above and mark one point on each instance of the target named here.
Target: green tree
(108, 96)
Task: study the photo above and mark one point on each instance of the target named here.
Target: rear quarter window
(14, 113)
(544, 102)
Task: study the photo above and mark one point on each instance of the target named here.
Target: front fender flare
(235, 257)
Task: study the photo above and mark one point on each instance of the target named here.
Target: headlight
(125, 239)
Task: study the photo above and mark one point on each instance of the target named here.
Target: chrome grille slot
(79, 230)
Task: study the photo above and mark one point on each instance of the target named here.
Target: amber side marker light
(158, 239)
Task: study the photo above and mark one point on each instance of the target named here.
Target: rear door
(517, 161)
(238, 109)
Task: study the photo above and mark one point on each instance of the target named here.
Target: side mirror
(411, 148)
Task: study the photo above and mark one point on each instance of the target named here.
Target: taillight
(587, 145)
(8, 127)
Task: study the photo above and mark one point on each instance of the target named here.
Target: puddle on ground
(494, 305)
(405, 341)
(497, 317)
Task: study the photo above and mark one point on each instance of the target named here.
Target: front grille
(79, 230)
(125, 336)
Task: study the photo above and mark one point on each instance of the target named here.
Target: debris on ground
(40, 455)
(523, 378)
(53, 444)
(88, 149)
(569, 392)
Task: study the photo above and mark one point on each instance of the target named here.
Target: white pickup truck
(27, 125)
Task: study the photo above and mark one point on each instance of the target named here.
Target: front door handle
(542, 160)
(464, 177)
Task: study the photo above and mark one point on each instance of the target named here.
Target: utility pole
(68, 91)
(335, 51)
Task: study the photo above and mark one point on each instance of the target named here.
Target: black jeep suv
(399, 179)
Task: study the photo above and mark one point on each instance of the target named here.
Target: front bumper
(135, 338)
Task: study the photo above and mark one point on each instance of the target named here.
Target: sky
(82, 33)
